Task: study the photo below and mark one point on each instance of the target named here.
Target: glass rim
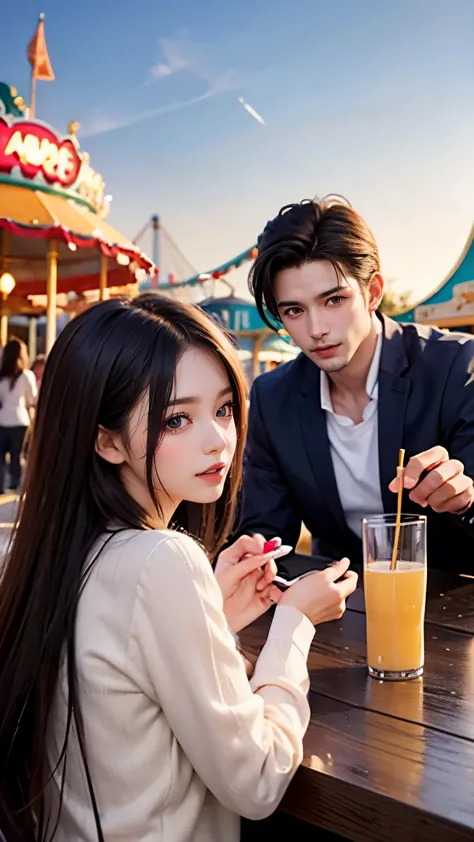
(391, 520)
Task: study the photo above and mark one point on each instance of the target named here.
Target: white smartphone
(286, 583)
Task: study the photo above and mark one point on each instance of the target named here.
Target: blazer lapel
(312, 421)
(393, 396)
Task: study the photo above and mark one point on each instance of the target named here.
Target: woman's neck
(138, 491)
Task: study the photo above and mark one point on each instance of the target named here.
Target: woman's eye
(226, 411)
(293, 311)
(177, 422)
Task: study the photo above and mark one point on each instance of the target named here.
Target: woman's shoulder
(147, 548)
(28, 375)
(26, 379)
(126, 563)
(166, 539)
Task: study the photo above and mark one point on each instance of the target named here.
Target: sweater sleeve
(243, 740)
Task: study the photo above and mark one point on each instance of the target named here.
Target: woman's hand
(320, 596)
(246, 583)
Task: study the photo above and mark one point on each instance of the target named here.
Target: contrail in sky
(256, 116)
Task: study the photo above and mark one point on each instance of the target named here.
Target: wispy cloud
(103, 124)
(178, 55)
(174, 60)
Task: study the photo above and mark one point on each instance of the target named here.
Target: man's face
(327, 318)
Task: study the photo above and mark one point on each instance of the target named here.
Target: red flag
(38, 55)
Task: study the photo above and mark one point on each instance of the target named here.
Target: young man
(325, 430)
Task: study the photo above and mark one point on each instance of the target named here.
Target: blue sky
(366, 98)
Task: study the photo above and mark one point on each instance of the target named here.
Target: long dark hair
(329, 229)
(14, 360)
(101, 365)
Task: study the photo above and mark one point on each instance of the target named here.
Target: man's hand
(445, 488)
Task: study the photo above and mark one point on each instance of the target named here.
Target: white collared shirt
(355, 451)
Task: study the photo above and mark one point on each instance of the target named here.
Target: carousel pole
(51, 293)
(4, 293)
(3, 323)
(32, 335)
(32, 108)
(155, 248)
(155, 244)
(103, 291)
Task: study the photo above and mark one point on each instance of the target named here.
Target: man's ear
(109, 446)
(376, 287)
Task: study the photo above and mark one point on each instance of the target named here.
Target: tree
(394, 302)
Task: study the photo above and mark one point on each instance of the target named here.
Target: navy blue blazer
(426, 398)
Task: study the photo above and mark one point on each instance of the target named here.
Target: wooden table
(389, 761)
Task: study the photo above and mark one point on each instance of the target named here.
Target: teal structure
(451, 305)
(235, 314)
(242, 319)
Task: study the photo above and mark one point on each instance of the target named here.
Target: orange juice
(395, 609)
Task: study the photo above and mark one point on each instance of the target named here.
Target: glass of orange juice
(395, 598)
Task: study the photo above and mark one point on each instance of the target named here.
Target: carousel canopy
(277, 349)
(49, 191)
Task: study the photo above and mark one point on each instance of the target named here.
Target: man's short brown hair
(329, 229)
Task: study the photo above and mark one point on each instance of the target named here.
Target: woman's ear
(109, 447)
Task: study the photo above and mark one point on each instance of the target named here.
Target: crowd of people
(126, 708)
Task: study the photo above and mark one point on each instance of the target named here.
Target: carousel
(260, 347)
(54, 238)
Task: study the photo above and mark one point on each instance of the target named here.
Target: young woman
(125, 710)
(17, 397)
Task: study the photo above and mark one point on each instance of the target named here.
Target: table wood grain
(389, 761)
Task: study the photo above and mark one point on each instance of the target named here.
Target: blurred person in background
(38, 368)
(18, 391)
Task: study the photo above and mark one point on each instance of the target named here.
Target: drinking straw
(400, 471)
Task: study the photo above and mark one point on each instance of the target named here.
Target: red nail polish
(271, 545)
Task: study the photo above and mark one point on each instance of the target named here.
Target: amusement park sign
(33, 153)
(35, 149)
(458, 304)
